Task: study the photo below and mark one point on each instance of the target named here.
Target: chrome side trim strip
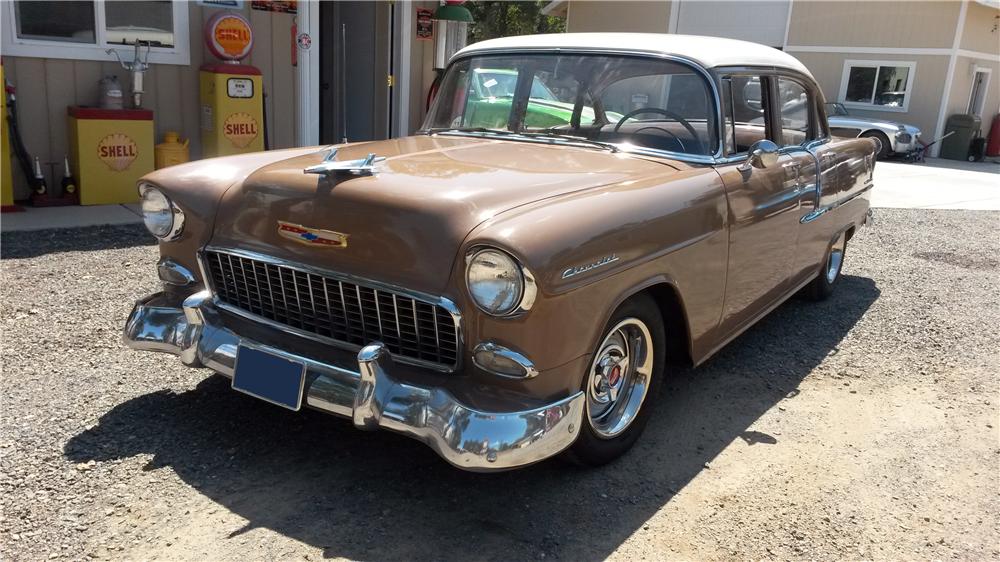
(820, 211)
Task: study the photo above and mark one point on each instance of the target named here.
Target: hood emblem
(331, 166)
(312, 236)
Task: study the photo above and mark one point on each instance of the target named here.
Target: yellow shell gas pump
(6, 179)
(232, 98)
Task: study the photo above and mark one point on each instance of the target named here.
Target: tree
(497, 18)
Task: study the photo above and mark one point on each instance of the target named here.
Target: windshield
(616, 100)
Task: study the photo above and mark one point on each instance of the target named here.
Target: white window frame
(854, 63)
(14, 46)
(986, 89)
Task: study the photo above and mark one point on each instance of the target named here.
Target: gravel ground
(861, 427)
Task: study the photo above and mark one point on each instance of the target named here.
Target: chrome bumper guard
(467, 438)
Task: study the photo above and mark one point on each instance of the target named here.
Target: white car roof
(709, 52)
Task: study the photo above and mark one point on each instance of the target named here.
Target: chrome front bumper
(467, 438)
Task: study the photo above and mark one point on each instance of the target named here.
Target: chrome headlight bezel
(147, 194)
(527, 288)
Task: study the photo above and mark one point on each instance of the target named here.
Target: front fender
(655, 230)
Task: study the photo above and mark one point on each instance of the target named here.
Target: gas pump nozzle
(138, 67)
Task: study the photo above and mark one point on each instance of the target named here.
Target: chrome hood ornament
(331, 166)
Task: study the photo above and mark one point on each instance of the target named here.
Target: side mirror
(762, 154)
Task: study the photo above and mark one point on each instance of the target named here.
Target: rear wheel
(622, 382)
(883, 143)
(824, 284)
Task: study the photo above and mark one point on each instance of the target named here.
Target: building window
(84, 30)
(879, 85)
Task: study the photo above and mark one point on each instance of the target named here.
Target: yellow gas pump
(232, 97)
(6, 178)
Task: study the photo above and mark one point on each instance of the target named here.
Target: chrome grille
(336, 309)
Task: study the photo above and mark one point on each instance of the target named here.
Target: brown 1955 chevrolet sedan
(513, 280)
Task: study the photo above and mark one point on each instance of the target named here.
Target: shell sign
(118, 151)
(229, 36)
(240, 128)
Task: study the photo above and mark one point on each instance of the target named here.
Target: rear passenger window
(795, 111)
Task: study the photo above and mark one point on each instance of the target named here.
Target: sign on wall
(229, 36)
(425, 25)
(280, 6)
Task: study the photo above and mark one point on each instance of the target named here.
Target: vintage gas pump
(232, 99)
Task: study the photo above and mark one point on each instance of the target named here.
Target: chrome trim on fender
(173, 273)
(820, 211)
(367, 393)
(576, 270)
(517, 358)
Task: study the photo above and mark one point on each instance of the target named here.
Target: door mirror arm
(762, 154)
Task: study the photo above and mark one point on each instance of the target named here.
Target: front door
(764, 205)
(355, 51)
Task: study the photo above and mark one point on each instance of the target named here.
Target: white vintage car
(895, 137)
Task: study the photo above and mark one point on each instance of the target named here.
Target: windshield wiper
(551, 135)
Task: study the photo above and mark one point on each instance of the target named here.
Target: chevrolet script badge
(312, 236)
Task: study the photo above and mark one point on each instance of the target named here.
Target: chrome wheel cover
(836, 259)
(619, 378)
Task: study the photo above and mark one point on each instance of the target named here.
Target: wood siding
(980, 32)
(45, 87)
(863, 23)
(651, 17)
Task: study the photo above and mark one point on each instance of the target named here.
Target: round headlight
(162, 218)
(495, 281)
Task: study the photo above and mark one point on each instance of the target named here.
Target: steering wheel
(668, 114)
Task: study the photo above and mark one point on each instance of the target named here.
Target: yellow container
(232, 109)
(110, 149)
(171, 151)
(6, 179)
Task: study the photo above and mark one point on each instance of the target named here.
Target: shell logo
(118, 151)
(229, 36)
(240, 128)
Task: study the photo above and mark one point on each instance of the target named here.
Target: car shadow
(359, 495)
(34, 243)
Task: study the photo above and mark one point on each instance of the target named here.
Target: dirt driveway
(861, 427)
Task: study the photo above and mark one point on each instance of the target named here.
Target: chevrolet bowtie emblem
(312, 236)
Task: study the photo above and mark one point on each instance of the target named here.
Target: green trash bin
(966, 127)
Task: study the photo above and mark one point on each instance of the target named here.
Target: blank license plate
(269, 377)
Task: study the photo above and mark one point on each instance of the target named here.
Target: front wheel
(824, 284)
(622, 383)
(884, 148)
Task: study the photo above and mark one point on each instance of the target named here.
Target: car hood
(405, 224)
(866, 122)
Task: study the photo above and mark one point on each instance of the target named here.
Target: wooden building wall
(45, 87)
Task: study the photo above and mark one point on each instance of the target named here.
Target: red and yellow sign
(241, 129)
(229, 36)
(118, 151)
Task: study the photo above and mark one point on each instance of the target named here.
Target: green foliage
(497, 18)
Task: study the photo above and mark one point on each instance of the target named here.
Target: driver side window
(747, 110)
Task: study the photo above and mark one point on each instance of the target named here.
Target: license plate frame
(269, 376)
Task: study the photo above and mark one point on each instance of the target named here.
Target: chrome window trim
(631, 149)
(433, 300)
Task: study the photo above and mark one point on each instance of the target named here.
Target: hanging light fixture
(452, 10)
